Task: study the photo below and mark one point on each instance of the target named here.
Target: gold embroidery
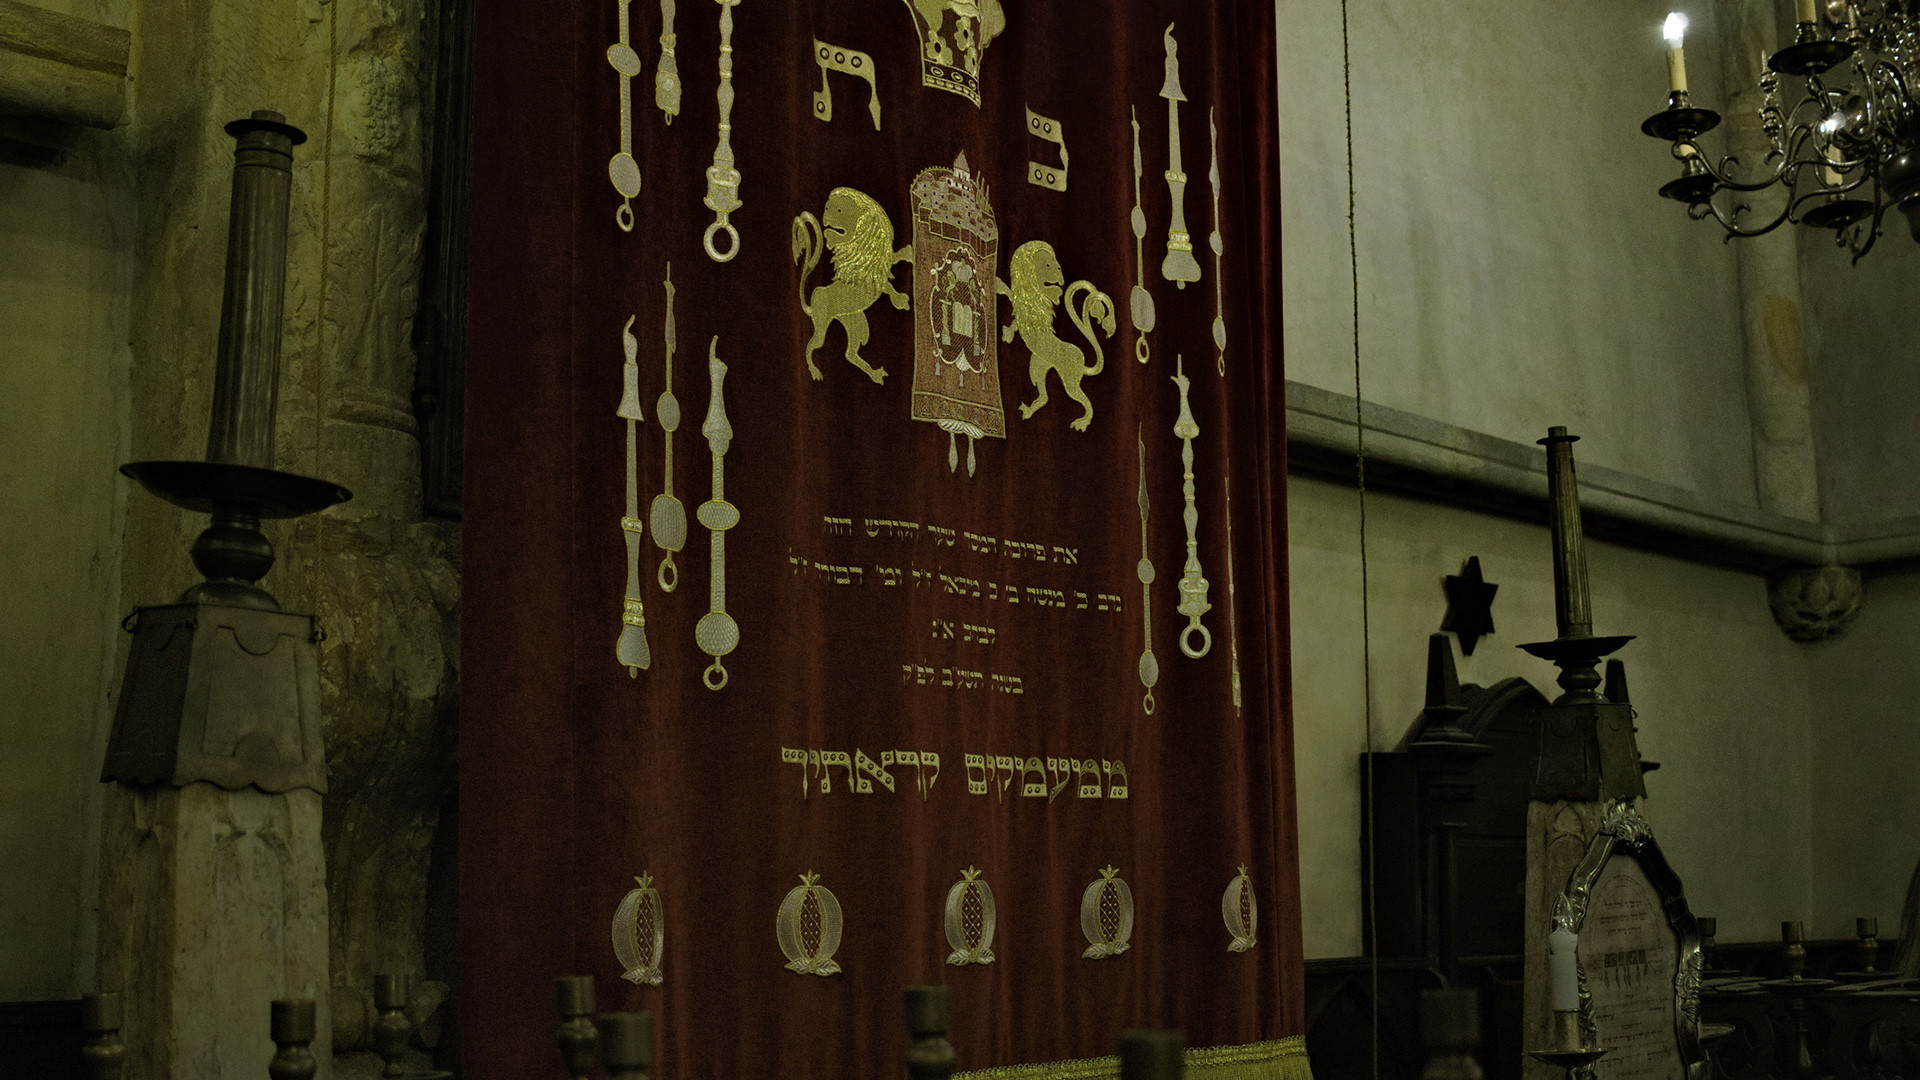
(859, 237)
(1277, 1059)
(1242, 915)
(668, 515)
(808, 927)
(623, 170)
(1219, 246)
(1193, 587)
(956, 372)
(812, 761)
(1149, 665)
(1142, 300)
(1106, 915)
(631, 649)
(970, 920)
(1233, 620)
(1179, 266)
(1035, 292)
(1047, 176)
(716, 633)
(848, 62)
(639, 933)
(666, 73)
(954, 34)
(723, 180)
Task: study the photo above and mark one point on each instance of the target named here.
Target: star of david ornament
(1469, 605)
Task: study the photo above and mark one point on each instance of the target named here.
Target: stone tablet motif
(1639, 955)
(1630, 956)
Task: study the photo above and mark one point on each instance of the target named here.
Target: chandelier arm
(1723, 172)
(1872, 233)
(1731, 223)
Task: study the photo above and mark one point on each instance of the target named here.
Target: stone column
(1778, 404)
(382, 579)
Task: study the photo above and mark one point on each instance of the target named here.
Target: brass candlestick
(578, 1038)
(103, 1053)
(626, 1044)
(930, 1057)
(293, 1025)
(1796, 989)
(1570, 1050)
(1152, 1055)
(391, 1028)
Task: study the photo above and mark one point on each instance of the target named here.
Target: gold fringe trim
(1275, 1059)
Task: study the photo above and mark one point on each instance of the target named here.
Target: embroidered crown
(954, 35)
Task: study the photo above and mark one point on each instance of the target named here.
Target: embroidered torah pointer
(1180, 266)
(1142, 299)
(623, 170)
(1193, 587)
(1149, 666)
(716, 633)
(669, 516)
(723, 180)
(666, 73)
(632, 649)
(1233, 621)
(1219, 246)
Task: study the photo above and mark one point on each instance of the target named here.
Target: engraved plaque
(1630, 955)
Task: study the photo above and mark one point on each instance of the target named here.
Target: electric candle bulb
(1676, 31)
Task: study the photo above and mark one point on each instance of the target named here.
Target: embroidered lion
(1035, 292)
(856, 232)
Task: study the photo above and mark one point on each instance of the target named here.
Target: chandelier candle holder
(1844, 152)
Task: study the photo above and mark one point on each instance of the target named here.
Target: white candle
(1805, 12)
(1562, 970)
(1675, 32)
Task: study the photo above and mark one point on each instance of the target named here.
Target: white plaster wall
(65, 288)
(1866, 780)
(1724, 698)
(1516, 268)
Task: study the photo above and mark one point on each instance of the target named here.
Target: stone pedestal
(213, 885)
(212, 904)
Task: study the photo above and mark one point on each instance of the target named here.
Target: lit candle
(1676, 30)
(1563, 970)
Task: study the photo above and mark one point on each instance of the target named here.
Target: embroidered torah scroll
(963, 605)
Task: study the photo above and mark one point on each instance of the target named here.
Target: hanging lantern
(809, 928)
(639, 933)
(970, 919)
(1241, 913)
(1106, 915)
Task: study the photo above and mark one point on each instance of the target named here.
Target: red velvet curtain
(891, 596)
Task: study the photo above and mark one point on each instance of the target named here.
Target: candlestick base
(1570, 1060)
(1678, 123)
(1837, 213)
(1805, 58)
(1692, 189)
